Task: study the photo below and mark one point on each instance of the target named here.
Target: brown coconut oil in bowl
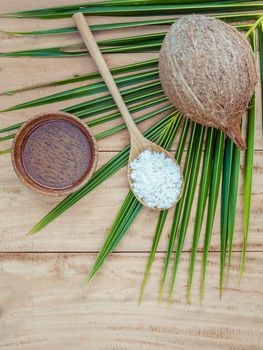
(54, 153)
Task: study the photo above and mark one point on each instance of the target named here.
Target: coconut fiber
(207, 70)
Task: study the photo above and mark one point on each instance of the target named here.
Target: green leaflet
(137, 108)
(260, 40)
(161, 220)
(150, 102)
(156, 239)
(232, 202)
(138, 43)
(248, 172)
(11, 127)
(212, 202)
(137, 120)
(142, 38)
(7, 137)
(147, 46)
(202, 199)
(85, 90)
(97, 27)
(106, 104)
(77, 7)
(138, 91)
(178, 209)
(190, 191)
(110, 131)
(249, 157)
(225, 192)
(128, 212)
(6, 151)
(79, 112)
(94, 75)
(138, 10)
(121, 25)
(120, 44)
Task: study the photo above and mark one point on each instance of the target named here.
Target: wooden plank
(44, 307)
(42, 302)
(21, 208)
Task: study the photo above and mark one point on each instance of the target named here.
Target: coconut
(207, 70)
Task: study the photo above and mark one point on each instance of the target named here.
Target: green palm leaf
(143, 90)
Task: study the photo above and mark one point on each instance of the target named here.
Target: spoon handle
(95, 53)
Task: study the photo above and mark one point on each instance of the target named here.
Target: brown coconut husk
(207, 70)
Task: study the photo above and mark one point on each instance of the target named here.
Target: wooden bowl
(54, 153)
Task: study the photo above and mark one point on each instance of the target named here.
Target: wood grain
(42, 302)
(43, 305)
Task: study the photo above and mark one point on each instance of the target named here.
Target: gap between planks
(124, 252)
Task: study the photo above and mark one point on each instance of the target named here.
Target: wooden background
(42, 302)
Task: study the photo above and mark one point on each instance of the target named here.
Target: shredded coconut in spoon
(156, 179)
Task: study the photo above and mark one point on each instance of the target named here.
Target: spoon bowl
(136, 149)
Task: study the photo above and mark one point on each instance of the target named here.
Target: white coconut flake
(156, 179)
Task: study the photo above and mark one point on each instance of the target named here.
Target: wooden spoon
(138, 142)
